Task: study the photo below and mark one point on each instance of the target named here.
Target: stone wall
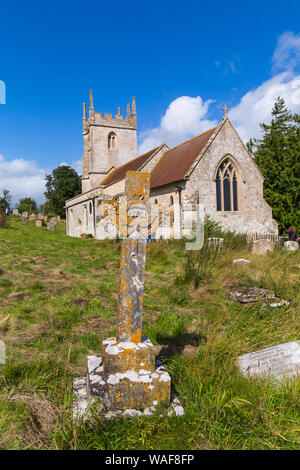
(254, 214)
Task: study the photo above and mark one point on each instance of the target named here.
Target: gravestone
(16, 212)
(126, 379)
(261, 247)
(279, 362)
(51, 226)
(24, 217)
(31, 218)
(39, 221)
(291, 246)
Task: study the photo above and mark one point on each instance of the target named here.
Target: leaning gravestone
(291, 246)
(51, 226)
(126, 379)
(279, 362)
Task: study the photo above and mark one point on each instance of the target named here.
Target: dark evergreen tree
(63, 184)
(277, 156)
(5, 200)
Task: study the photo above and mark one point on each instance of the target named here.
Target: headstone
(262, 246)
(39, 221)
(278, 362)
(31, 218)
(291, 246)
(16, 212)
(51, 226)
(126, 379)
(24, 217)
(245, 294)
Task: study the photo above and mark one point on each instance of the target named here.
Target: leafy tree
(277, 155)
(5, 200)
(63, 184)
(26, 204)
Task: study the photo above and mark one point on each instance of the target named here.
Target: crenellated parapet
(109, 141)
(108, 120)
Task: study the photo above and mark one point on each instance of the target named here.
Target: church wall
(254, 214)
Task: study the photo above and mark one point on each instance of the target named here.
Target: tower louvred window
(112, 141)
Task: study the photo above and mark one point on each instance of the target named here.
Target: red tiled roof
(134, 165)
(175, 163)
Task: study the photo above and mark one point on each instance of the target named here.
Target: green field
(58, 300)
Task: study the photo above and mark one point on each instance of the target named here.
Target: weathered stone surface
(39, 222)
(130, 389)
(249, 294)
(51, 226)
(16, 212)
(291, 246)
(261, 247)
(279, 362)
(241, 261)
(31, 218)
(120, 357)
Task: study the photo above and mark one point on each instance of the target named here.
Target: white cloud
(256, 105)
(287, 53)
(22, 178)
(184, 118)
(187, 116)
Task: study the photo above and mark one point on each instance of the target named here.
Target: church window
(112, 141)
(91, 208)
(171, 201)
(226, 186)
(156, 201)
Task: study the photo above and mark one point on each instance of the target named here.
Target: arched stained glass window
(226, 186)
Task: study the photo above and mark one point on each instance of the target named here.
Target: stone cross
(133, 256)
(126, 376)
(225, 109)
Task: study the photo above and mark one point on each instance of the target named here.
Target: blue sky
(181, 60)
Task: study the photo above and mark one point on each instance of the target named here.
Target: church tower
(108, 142)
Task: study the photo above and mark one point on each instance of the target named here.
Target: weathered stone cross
(126, 376)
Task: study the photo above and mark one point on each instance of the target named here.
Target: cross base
(135, 391)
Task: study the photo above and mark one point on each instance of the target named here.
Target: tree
(5, 200)
(26, 204)
(63, 184)
(277, 155)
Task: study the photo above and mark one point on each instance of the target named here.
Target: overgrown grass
(58, 300)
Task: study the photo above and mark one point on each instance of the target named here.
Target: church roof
(176, 162)
(133, 165)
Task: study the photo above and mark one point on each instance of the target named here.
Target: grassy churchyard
(58, 300)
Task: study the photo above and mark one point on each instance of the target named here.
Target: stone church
(213, 169)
